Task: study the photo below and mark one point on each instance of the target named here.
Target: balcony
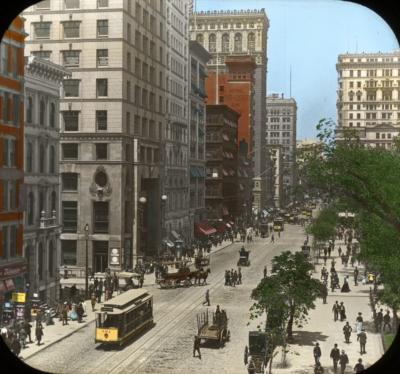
(48, 223)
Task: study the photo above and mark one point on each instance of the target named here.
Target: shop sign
(18, 297)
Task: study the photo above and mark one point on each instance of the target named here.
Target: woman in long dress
(345, 287)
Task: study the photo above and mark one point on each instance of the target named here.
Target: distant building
(197, 133)
(277, 165)
(42, 175)
(281, 123)
(235, 87)
(222, 200)
(13, 267)
(229, 33)
(368, 96)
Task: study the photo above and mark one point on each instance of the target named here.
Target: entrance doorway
(100, 256)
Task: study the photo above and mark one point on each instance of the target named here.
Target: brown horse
(202, 275)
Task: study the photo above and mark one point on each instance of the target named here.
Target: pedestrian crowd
(233, 277)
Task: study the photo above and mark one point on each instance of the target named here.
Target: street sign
(18, 297)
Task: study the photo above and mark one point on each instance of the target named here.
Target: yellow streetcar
(124, 316)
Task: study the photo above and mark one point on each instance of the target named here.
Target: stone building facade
(42, 179)
(113, 114)
(368, 100)
(281, 128)
(240, 32)
(197, 134)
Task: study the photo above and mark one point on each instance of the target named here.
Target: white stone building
(112, 119)
(368, 96)
(41, 175)
(281, 128)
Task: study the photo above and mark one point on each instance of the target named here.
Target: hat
(343, 351)
(65, 303)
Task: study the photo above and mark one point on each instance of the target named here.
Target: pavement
(321, 327)
(55, 333)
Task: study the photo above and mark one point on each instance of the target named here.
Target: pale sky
(308, 36)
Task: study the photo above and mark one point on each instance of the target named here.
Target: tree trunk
(289, 328)
(395, 321)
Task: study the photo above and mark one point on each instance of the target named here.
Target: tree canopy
(288, 294)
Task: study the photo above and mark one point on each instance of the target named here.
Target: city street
(167, 348)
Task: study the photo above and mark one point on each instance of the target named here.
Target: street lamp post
(164, 199)
(87, 261)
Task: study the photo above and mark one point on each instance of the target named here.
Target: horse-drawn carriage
(243, 258)
(184, 274)
(213, 327)
(258, 351)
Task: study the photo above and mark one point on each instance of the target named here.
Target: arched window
(200, 39)
(40, 261)
(212, 43)
(251, 42)
(29, 158)
(52, 115)
(31, 208)
(225, 43)
(51, 259)
(42, 159)
(52, 160)
(53, 201)
(238, 43)
(29, 110)
(42, 112)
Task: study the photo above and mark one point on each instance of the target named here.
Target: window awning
(225, 172)
(168, 243)
(175, 235)
(231, 223)
(225, 137)
(203, 228)
(9, 284)
(228, 225)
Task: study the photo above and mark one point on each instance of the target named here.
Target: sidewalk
(57, 332)
(321, 327)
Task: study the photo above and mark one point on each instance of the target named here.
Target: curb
(81, 326)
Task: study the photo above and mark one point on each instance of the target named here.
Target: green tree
(289, 293)
(323, 227)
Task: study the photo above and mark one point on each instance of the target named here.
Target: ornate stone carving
(100, 186)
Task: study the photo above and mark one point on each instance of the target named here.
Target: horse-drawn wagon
(243, 257)
(213, 327)
(258, 352)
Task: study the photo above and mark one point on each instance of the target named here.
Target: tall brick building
(12, 264)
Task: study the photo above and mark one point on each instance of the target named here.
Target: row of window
(71, 87)
(47, 158)
(37, 202)
(10, 202)
(69, 4)
(225, 42)
(371, 73)
(225, 25)
(70, 151)
(9, 152)
(45, 260)
(45, 117)
(71, 29)
(10, 68)
(100, 216)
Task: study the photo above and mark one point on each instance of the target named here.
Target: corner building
(368, 100)
(12, 264)
(112, 119)
(240, 32)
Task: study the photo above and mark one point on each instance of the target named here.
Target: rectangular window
(5, 242)
(69, 181)
(41, 30)
(128, 62)
(101, 87)
(101, 151)
(70, 151)
(137, 95)
(100, 216)
(101, 120)
(71, 4)
(70, 216)
(71, 29)
(102, 57)
(71, 87)
(128, 90)
(6, 201)
(128, 31)
(102, 27)
(45, 55)
(71, 120)
(16, 106)
(68, 252)
(102, 3)
(71, 58)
